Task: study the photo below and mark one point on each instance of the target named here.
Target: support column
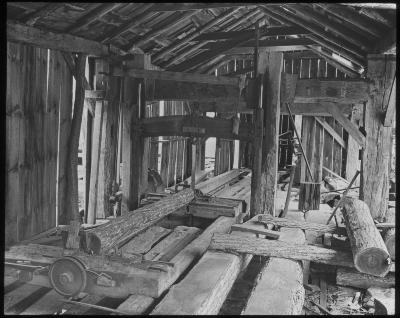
(374, 185)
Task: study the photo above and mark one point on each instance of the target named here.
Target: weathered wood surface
(184, 126)
(172, 244)
(219, 181)
(21, 298)
(256, 230)
(215, 207)
(286, 222)
(279, 289)
(117, 231)
(144, 241)
(136, 304)
(49, 304)
(369, 250)
(353, 278)
(276, 248)
(389, 234)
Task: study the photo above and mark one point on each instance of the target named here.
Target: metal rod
(94, 306)
(344, 194)
(298, 137)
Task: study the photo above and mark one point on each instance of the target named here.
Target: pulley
(68, 276)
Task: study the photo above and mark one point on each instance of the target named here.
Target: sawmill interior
(200, 158)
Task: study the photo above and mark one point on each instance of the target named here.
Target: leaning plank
(276, 248)
(369, 250)
(49, 304)
(136, 304)
(279, 290)
(218, 181)
(172, 244)
(353, 278)
(18, 32)
(118, 231)
(143, 242)
(285, 222)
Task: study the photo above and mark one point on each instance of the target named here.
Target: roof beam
(17, 32)
(44, 11)
(384, 5)
(225, 15)
(175, 21)
(181, 55)
(177, 76)
(319, 35)
(351, 16)
(195, 6)
(274, 31)
(92, 16)
(131, 23)
(274, 48)
(262, 43)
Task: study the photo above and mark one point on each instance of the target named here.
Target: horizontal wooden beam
(383, 5)
(332, 132)
(264, 43)
(281, 48)
(271, 31)
(350, 127)
(195, 6)
(193, 126)
(17, 32)
(177, 76)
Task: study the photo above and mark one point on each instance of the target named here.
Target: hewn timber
(290, 223)
(119, 230)
(177, 76)
(374, 185)
(370, 253)
(353, 278)
(215, 207)
(350, 127)
(279, 289)
(219, 181)
(270, 31)
(184, 126)
(18, 32)
(389, 234)
(276, 248)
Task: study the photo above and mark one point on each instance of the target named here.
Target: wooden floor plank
(21, 298)
(136, 304)
(49, 304)
(72, 309)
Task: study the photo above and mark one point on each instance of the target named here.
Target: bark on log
(118, 231)
(369, 250)
(388, 234)
(276, 248)
(353, 278)
(284, 222)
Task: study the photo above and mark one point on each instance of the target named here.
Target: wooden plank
(144, 241)
(18, 32)
(346, 123)
(21, 298)
(263, 44)
(72, 309)
(332, 132)
(219, 181)
(49, 304)
(391, 107)
(252, 229)
(136, 304)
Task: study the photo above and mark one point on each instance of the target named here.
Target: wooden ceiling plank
(332, 26)
(160, 30)
(382, 5)
(319, 36)
(196, 6)
(263, 43)
(351, 16)
(18, 32)
(92, 16)
(186, 52)
(131, 23)
(177, 44)
(41, 13)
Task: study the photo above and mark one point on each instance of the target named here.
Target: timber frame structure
(124, 90)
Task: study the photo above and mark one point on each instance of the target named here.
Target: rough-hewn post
(374, 187)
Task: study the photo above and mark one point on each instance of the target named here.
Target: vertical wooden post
(374, 185)
(193, 175)
(353, 160)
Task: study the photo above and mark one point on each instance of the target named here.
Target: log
(353, 278)
(219, 181)
(285, 222)
(118, 231)
(369, 250)
(388, 234)
(276, 248)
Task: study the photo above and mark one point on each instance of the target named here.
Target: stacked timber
(118, 231)
(369, 250)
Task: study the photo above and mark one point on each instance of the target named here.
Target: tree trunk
(118, 231)
(388, 234)
(369, 250)
(284, 222)
(353, 278)
(276, 248)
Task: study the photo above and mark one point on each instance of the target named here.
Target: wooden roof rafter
(44, 11)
